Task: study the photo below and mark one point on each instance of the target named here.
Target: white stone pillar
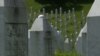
(91, 42)
(41, 38)
(93, 30)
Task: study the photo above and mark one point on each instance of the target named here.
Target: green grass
(67, 53)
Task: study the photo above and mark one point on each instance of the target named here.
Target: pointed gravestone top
(40, 24)
(95, 9)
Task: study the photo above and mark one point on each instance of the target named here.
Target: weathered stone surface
(16, 40)
(93, 35)
(14, 3)
(13, 28)
(15, 15)
(2, 32)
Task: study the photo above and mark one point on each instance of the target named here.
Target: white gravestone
(91, 40)
(81, 41)
(93, 30)
(13, 19)
(40, 42)
(43, 39)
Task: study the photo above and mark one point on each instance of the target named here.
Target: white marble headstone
(90, 46)
(40, 41)
(93, 30)
(44, 40)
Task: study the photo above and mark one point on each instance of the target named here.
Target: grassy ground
(49, 5)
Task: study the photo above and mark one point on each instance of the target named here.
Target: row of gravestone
(43, 41)
(14, 30)
(61, 21)
(88, 41)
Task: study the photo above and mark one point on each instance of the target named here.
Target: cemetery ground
(38, 5)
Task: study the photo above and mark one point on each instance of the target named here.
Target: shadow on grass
(65, 4)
